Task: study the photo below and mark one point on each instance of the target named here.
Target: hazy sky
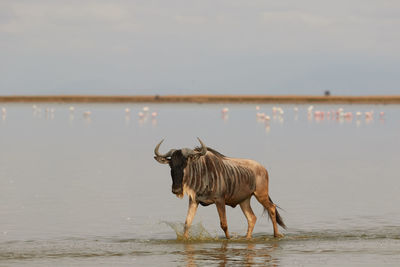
(195, 47)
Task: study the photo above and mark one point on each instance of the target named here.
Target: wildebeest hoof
(278, 235)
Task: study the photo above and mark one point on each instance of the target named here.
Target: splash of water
(196, 232)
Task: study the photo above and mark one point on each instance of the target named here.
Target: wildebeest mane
(215, 152)
(215, 174)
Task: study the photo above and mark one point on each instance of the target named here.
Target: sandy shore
(378, 99)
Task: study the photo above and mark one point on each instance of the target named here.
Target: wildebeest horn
(203, 150)
(168, 154)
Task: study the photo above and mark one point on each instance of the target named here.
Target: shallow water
(85, 190)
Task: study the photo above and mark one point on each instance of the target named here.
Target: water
(81, 190)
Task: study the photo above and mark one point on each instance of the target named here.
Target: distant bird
(36, 109)
(154, 114)
(369, 114)
(348, 115)
(141, 114)
(309, 110)
(257, 107)
(146, 109)
(225, 110)
(260, 115)
(319, 113)
(339, 113)
(127, 110)
(71, 109)
(4, 111)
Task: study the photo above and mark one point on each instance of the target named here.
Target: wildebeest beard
(177, 163)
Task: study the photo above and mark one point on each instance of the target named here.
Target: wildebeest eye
(168, 158)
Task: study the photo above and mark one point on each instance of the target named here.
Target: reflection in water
(267, 127)
(142, 118)
(309, 117)
(230, 254)
(145, 115)
(50, 113)
(127, 119)
(190, 255)
(3, 113)
(368, 120)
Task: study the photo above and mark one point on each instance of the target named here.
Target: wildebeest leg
(222, 217)
(251, 218)
(271, 208)
(190, 215)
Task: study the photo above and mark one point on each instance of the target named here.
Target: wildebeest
(208, 177)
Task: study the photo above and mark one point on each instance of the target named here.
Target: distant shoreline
(290, 99)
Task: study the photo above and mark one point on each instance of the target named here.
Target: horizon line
(204, 98)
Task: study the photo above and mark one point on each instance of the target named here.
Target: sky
(350, 47)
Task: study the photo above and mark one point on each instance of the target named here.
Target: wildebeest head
(178, 160)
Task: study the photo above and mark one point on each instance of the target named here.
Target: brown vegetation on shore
(394, 99)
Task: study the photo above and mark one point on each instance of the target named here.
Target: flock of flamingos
(276, 114)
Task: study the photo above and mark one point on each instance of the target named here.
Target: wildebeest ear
(162, 160)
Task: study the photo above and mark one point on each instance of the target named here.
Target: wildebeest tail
(278, 217)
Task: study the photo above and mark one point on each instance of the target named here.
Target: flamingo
(225, 110)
